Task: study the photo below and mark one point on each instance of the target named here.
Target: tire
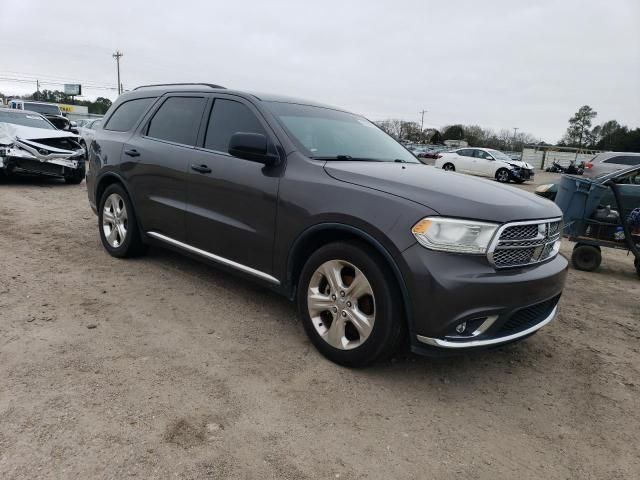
(375, 297)
(449, 167)
(586, 257)
(636, 264)
(76, 176)
(502, 175)
(126, 240)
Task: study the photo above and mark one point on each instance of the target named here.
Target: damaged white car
(30, 144)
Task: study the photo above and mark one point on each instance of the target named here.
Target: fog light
(461, 327)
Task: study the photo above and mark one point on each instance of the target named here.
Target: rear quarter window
(624, 160)
(127, 114)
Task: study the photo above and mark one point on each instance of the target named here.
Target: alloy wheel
(503, 176)
(115, 220)
(341, 304)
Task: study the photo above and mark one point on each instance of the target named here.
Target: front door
(231, 210)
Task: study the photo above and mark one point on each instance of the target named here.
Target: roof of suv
(161, 89)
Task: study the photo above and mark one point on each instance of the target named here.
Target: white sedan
(87, 132)
(485, 162)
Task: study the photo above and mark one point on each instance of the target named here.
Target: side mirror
(251, 146)
(74, 124)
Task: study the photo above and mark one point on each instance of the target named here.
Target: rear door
(464, 160)
(231, 201)
(157, 158)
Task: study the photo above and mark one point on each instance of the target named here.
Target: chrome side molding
(215, 258)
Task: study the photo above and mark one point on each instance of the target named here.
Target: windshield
(328, 134)
(498, 155)
(42, 108)
(26, 119)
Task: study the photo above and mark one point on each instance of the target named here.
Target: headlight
(544, 188)
(454, 235)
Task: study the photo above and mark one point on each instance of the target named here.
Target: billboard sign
(72, 89)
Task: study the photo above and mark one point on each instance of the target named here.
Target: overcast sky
(499, 64)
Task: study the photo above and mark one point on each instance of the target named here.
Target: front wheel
(117, 224)
(75, 177)
(349, 305)
(586, 257)
(503, 175)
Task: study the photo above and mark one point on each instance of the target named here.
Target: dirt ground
(162, 367)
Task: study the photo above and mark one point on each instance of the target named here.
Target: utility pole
(38, 89)
(422, 112)
(515, 132)
(117, 56)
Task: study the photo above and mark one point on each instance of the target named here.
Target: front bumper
(447, 290)
(523, 174)
(25, 157)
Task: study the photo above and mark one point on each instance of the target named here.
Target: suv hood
(448, 193)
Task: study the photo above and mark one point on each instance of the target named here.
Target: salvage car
(30, 144)
(324, 207)
(485, 162)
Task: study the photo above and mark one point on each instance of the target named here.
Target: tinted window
(624, 160)
(229, 117)
(177, 120)
(127, 115)
(42, 108)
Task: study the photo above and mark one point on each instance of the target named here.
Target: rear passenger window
(177, 120)
(624, 160)
(466, 152)
(229, 117)
(127, 115)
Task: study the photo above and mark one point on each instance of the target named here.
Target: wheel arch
(109, 178)
(318, 235)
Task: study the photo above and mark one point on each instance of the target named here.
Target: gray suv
(322, 206)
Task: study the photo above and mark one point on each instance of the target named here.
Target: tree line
(474, 135)
(610, 135)
(99, 106)
(581, 133)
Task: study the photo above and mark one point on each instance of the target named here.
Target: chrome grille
(525, 243)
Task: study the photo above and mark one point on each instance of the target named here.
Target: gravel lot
(162, 367)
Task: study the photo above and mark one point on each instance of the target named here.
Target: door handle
(132, 153)
(201, 168)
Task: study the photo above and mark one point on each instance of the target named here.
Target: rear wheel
(349, 306)
(449, 167)
(586, 257)
(503, 175)
(117, 224)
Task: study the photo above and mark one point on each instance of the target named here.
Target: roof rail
(178, 84)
